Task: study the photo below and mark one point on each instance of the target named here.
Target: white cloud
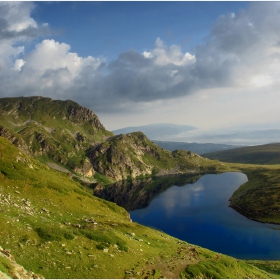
(242, 52)
(18, 64)
(52, 55)
(163, 55)
(147, 55)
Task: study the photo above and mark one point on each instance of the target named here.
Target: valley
(54, 227)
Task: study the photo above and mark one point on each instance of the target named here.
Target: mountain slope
(55, 130)
(133, 154)
(261, 154)
(54, 227)
(65, 133)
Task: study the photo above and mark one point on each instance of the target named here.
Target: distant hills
(261, 154)
(198, 148)
(240, 137)
(157, 131)
(160, 131)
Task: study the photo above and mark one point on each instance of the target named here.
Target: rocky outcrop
(125, 156)
(85, 169)
(12, 269)
(13, 138)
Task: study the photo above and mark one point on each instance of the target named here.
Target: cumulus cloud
(16, 27)
(242, 50)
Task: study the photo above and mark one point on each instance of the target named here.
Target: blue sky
(110, 28)
(212, 65)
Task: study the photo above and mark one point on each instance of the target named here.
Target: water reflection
(138, 194)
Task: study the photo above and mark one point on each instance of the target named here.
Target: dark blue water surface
(199, 214)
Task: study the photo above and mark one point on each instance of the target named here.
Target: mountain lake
(198, 213)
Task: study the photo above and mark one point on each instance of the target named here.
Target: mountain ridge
(66, 133)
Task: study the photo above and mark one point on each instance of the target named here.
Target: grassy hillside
(259, 198)
(262, 154)
(54, 227)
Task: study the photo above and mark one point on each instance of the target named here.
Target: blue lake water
(199, 214)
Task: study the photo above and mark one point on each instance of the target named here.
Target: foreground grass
(56, 228)
(259, 198)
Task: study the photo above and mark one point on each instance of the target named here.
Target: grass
(57, 231)
(259, 198)
(5, 266)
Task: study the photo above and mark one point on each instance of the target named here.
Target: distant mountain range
(198, 148)
(230, 137)
(160, 131)
(157, 131)
(241, 138)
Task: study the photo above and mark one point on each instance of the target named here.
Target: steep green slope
(55, 130)
(55, 228)
(133, 154)
(262, 154)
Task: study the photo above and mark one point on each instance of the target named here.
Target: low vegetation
(54, 227)
(259, 198)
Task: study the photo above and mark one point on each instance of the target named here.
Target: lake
(198, 213)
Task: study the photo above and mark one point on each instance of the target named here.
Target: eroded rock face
(85, 169)
(14, 270)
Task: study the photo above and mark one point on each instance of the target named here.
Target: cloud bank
(241, 51)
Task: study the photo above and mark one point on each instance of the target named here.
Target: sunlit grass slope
(56, 228)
